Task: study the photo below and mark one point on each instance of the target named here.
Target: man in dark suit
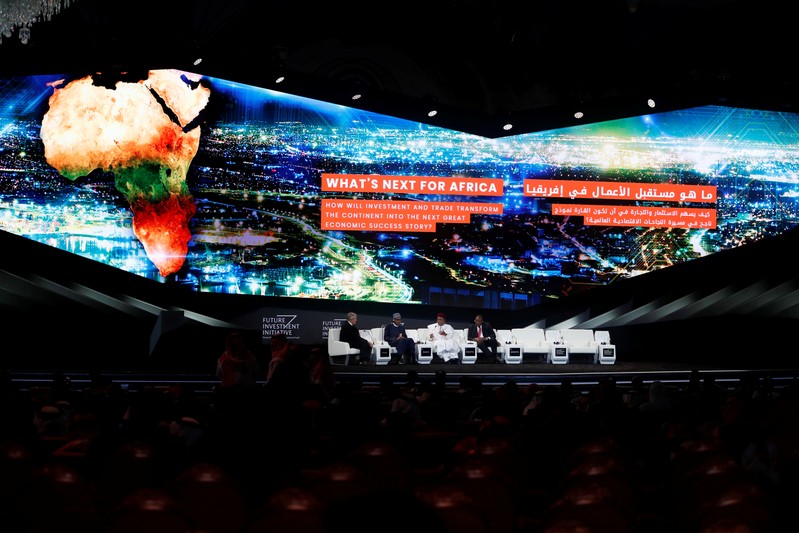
(483, 334)
(396, 336)
(352, 336)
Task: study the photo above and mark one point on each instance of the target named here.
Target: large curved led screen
(230, 188)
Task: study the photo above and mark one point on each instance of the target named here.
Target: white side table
(559, 354)
(607, 354)
(424, 353)
(511, 353)
(381, 354)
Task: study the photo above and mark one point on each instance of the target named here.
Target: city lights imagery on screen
(224, 187)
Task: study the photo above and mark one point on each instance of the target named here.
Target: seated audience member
(396, 337)
(237, 365)
(288, 378)
(352, 336)
(442, 336)
(483, 334)
(322, 376)
(280, 347)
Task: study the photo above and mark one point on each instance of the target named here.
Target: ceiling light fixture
(430, 103)
(507, 127)
(650, 103)
(277, 71)
(21, 14)
(578, 115)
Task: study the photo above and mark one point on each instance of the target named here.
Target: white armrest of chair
(377, 337)
(338, 348)
(424, 334)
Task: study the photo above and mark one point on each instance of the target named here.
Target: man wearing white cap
(396, 336)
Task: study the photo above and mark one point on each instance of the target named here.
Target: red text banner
(610, 190)
(625, 215)
(399, 216)
(412, 184)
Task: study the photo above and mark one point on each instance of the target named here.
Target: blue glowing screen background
(263, 193)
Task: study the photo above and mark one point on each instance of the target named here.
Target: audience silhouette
(237, 366)
(706, 456)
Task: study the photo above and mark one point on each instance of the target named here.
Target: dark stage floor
(543, 373)
(580, 375)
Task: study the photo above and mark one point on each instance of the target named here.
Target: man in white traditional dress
(442, 336)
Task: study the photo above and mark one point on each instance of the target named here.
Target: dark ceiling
(482, 62)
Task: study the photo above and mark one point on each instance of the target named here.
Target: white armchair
(581, 344)
(376, 336)
(504, 336)
(424, 335)
(338, 350)
(536, 348)
(510, 351)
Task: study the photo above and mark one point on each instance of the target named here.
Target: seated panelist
(396, 337)
(352, 336)
(442, 336)
(484, 335)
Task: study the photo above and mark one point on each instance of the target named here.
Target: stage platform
(542, 373)
(580, 375)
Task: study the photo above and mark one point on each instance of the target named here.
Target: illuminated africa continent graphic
(143, 141)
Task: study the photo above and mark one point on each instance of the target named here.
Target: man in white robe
(442, 336)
